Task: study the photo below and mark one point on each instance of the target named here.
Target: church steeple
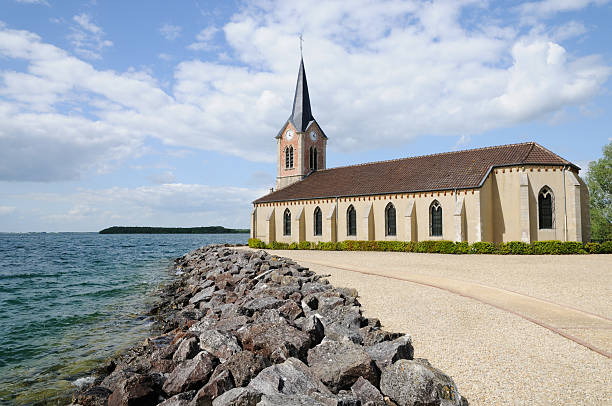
(301, 142)
(301, 115)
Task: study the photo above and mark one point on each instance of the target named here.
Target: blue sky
(164, 114)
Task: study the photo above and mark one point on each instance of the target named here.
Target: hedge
(552, 247)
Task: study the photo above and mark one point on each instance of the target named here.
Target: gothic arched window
(318, 222)
(545, 208)
(289, 157)
(287, 222)
(313, 158)
(351, 221)
(435, 219)
(390, 220)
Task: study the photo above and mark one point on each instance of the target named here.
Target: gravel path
(494, 356)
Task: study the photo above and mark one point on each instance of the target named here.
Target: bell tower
(301, 142)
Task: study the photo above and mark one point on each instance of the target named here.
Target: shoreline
(234, 322)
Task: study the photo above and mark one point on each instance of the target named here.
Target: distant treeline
(173, 230)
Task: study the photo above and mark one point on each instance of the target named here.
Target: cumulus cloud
(170, 32)
(380, 73)
(163, 178)
(547, 8)
(87, 38)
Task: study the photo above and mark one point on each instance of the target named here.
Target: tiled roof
(450, 170)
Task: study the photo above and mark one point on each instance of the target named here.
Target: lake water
(69, 301)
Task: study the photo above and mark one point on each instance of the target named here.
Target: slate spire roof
(301, 114)
(465, 169)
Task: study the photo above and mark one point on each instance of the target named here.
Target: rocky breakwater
(248, 328)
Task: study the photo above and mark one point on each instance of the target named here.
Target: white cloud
(87, 38)
(4, 210)
(380, 73)
(43, 2)
(549, 7)
(170, 32)
(170, 205)
(203, 39)
(163, 178)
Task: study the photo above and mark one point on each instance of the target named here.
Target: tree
(599, 180)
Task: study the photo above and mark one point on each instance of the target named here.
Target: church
(518, 192)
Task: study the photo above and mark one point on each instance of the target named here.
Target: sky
(156, 113)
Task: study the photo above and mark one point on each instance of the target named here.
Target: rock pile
(247, 328)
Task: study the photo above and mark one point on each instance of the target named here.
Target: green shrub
(462, 248)
(592, 247)
(256, 243)
(293, 246)
(305, 245)
(275, 245)
(515, 248)
(328, 246)
(606, 247)
(483, 247)
(554, 247)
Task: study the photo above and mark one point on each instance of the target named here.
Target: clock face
(313, 135)
(289, 135)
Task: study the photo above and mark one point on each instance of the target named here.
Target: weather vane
(301, 41)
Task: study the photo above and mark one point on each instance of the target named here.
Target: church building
(519, 192)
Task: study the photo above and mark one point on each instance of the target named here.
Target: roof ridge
(430, 155)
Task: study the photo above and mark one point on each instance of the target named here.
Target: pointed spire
(301, 115)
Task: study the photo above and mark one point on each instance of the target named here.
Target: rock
(410, 382)
(238, 397)
(244, 366)
(387, 352)
(204, 294)
(190, 374)
(94, 396)
(265, 338)
(260, 304)
(367, 393)
(278, 399)
(290, 310)
(328, 303)
(221, 345)
(187, 349)
(374, 335)
(218, 384)
(346, 398)
(292, 377)
(232, 324)
(136, 390)
(313, 327)
(339, 364)
(182, 399)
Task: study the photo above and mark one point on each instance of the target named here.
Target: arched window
(351, 221)
(435, 219)
(289, 157)
(545, 208)
(313, 157)
(287, 222)
(318, 222)
(390, 220)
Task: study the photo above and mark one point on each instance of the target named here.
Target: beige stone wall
(495, 212)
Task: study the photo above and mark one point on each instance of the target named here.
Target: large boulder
(190, 374)
(187, 349)
(367, 393)
(387, 352)
(204, 294)
(238, 397)
(221, 345)
(292, 377)
(339, 364)
(416, 382)
(182, 399)
(279, 338)
(217, 385)
(94, 396)
(136, 390)
(244, 366)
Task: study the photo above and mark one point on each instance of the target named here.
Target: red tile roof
(449, 170)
